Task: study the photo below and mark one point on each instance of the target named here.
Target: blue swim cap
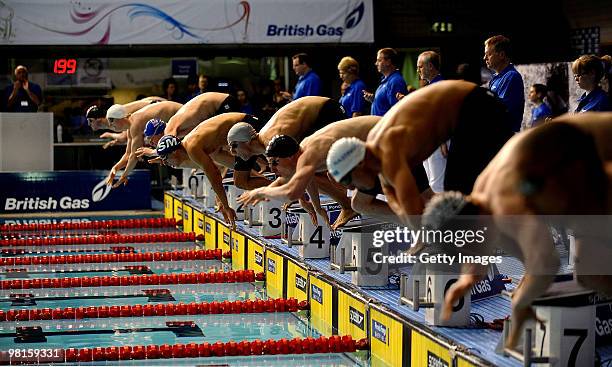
(167, 144)
(154, 127)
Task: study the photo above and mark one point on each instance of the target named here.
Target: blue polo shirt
(436, 79)
(23, 102)
(508, 86)
(308, 84)
(384, 98)
(539, 114)
(597, 100)
(352, 100)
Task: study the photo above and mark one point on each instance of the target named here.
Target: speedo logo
(356, 318)
(258, 258)
(300, 282)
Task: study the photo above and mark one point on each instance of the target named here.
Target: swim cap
(167, 144)
(94, 112)
(442, 209)
(154, 127)
(344, 155)
(116, 111)
(282, 146)
(242, 132)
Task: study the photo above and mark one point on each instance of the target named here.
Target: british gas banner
(72, 191)
(120, 22)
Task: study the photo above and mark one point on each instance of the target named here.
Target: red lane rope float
(104, 239)
(310, 345)
(184, 255)
(239, 276)
(163, 309)
(97, 224)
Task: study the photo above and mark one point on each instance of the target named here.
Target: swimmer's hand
(155, 160)
(368, 96)
(123, 180)
(253, 197)
(307, 205)
(145, 151)
(456, 291)
(111, 176)
(520, 314)
(229, 215)
(116, 138)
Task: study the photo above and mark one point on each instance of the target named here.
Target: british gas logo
(355, 16)
(352, 20)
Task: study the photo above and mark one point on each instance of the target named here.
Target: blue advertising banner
(71, 191)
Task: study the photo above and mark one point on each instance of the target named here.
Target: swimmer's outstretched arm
(216, 181)
(541, 264)
(313, 192)
(137, 141)
(120, 164)
(397, 180)
(244, 180)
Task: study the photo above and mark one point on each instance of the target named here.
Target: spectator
(170, 89)
(309, 83)
(245, 105)
(352, 97)
(390, 85)
(23, 95)
(278, 99)
(588, 71)
(192, 86)
(541, 111)
(507, 82)
(202, 86)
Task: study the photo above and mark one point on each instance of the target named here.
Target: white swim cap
(116, 111)
(344, 155)
(242, 132)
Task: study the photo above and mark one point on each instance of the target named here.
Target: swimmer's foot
(345, 216)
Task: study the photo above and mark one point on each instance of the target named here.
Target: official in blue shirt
(507, 82)
(541, 111)
(352, 100)
(309, 83)
(588, 71)
(390, 85)
(23, 95)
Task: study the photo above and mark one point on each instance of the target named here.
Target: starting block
(233, 193)
(364, 270)
(267, 216)
(208, 194)
(566, 336)
(313, 241)
(414, 291)
(194, 183)
(427, 288)
(343, 250)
